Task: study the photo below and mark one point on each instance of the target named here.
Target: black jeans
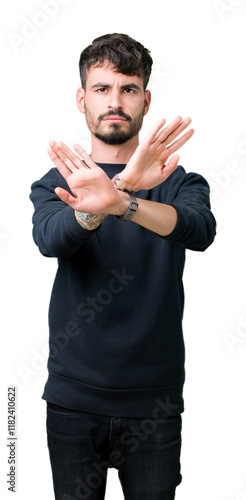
(83, 446)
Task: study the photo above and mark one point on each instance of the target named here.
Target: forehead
(109, 75)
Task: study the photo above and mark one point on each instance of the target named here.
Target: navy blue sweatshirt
(115, 315)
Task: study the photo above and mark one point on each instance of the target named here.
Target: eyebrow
(106, 85)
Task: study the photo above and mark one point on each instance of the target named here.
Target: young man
(119, 222)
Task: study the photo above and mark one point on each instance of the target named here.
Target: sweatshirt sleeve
(55, 229)
(196, 225)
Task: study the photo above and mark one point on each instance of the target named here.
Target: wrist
(120, 183)
(123, 204)
(131, 210)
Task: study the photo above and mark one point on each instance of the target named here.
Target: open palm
(149, 165)
(93, 192)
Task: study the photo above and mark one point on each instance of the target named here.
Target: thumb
(169, 168)
(65, 196)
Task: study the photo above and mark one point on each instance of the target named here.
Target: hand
(145, 169)
(93, 191)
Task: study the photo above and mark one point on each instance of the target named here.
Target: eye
(101, 90)
(129, 91)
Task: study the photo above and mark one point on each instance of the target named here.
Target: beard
(117, 133)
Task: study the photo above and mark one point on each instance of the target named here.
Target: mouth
(115, 119)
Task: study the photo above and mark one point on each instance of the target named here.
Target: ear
(147, 100)
(80, 99)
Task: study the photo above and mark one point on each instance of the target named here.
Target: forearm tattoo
(89, 221)
(117, 181)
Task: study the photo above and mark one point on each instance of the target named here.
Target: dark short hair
(128, 56)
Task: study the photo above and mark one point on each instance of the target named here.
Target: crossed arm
(96, 196)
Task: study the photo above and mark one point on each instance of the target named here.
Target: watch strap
(133, 205)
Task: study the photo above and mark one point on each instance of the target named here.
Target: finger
(180, 142)
(169, 129)
(70, 154)
(88, 162)
(169, 168)
(66, 197)
(152, 134)
(181, 127)
(64, 171)
(66, 155)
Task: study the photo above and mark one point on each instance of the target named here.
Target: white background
(199, 71)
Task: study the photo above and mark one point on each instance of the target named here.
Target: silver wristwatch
(129, 214)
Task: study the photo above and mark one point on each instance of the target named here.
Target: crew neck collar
(113, 168)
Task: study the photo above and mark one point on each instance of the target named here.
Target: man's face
(114, 104)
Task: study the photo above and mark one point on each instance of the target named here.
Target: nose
(114, 102)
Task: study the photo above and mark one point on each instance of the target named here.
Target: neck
(105, 153)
